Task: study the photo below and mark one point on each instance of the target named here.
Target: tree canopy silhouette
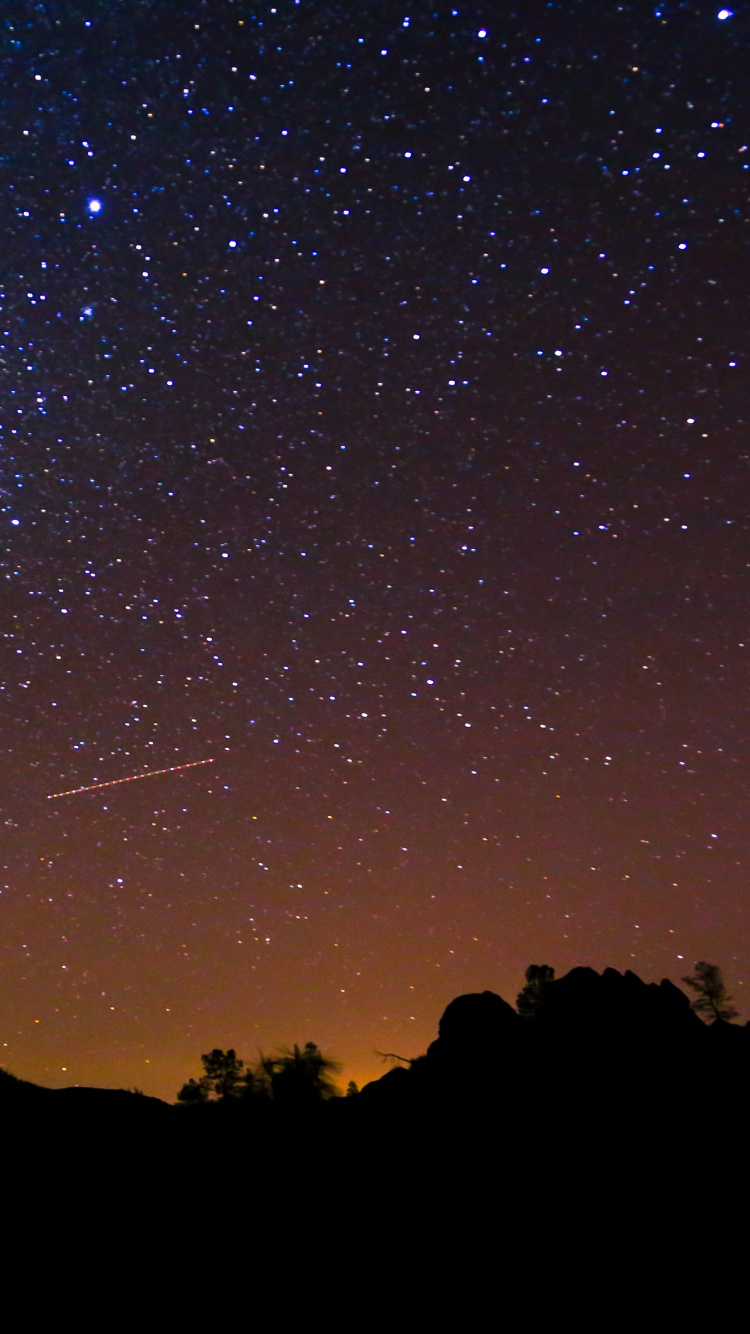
(301, 1075)
(711, 1001)
(531, 997)
(222, 1078)
(297, 1075)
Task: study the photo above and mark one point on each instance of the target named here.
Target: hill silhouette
(607, 1043)
(611, 1094)
(608, 1040)
(592, 1030)
(594, 1145)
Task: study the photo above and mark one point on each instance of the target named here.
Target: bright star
(95, 206)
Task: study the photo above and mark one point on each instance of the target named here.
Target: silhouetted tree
(712, 1001)
(222, 1078)
(223, 1072)
(252, 1086)
(351, 1089)
(531, 997)
(195, 1091)
(301, 1075)
(263, 1074)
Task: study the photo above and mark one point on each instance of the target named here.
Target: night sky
(374, 424)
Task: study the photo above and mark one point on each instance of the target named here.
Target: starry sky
(374, 425)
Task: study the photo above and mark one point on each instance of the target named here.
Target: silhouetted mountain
(605, 1055)
(608, 1082)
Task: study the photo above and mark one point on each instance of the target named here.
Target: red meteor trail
(132, 779)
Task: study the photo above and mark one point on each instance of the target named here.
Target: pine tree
(222, 1078)
(712, 1001)
(301, 1075)
(223, 1072)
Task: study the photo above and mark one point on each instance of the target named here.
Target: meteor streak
(73, 791)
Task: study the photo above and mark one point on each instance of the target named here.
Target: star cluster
(374, 425)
